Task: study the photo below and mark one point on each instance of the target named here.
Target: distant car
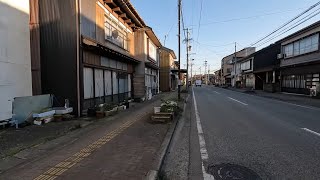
(198, 83)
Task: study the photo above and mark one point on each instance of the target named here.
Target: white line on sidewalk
(216, 92)
(202, 142)
(238, 101)
(310, 131)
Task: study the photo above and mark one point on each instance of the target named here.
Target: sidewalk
(291, 98)
(120, 147)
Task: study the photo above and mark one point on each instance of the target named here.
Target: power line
(289, 29)
(199, 24)
(249, 17)
(304, 19)
(183, 25)
(215, 45)
(285, 24)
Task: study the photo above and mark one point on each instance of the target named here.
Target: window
(305, 45)
(246, 65)
(108, 82)
(88, 83)
(314, 42)
(115, 82)
(98, 74)
(296, 48)
(105, 62)
(288, 50)
(152, 51)
(115, 33)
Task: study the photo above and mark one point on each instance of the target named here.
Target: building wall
(139, 76)
(15, 60)
(304, 58)
(165, 62)
(35, 50)
(59, 41)
(101, 12)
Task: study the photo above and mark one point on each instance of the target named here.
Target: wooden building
(168, 78)
(88, 51)
(300, 61)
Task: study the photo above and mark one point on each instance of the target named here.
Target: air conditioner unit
(313, 92)
(280, 56)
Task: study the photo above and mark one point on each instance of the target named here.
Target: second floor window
(115, 33)
(302, 46)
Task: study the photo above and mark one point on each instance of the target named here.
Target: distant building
(228, 73)
(217, 74)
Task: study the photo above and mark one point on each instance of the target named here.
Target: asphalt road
(264, 135)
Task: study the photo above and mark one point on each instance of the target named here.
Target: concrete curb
(154, 173)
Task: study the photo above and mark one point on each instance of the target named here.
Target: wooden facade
(79, 61)
(168, 80)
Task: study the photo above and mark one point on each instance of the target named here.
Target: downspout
(78, 56)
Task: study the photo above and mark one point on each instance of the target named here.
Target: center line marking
(238, 101)
(310, 131)
(202, 142)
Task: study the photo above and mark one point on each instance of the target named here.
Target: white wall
(15, 60)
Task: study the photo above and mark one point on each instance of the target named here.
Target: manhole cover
(232, 172)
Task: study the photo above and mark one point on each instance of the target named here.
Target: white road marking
(202, 142)
(310, 131)
(216, 92)
(238, 101)
(308, 107)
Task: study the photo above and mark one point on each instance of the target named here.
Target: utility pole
(179, 47)
(209, 73)
(191, 70)
(235, 62)
(188, 48)
(205, 71)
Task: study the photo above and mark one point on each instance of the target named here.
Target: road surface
(249, 137)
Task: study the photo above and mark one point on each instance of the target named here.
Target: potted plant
(126, 103)
(109, 109)
(100, 111)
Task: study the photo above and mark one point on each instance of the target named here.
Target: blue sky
(223, 23)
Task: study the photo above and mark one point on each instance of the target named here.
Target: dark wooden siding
(58, 37)
(164, 71)
(35, 47)
(91, 58)
(266, 57)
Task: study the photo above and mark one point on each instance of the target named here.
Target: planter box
(99, 114)
(156, 110)
(110, 113)
(121, 108)
(162, 117)
(115, 109)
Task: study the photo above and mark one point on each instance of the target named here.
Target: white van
(198, 83)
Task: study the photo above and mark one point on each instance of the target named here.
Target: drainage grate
(232, 172)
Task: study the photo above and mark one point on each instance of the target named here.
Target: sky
(222, 23)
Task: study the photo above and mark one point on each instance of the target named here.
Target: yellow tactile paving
(65, 165)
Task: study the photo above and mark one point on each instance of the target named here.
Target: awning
(93, 45)
(152, 65)
(266, 69)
